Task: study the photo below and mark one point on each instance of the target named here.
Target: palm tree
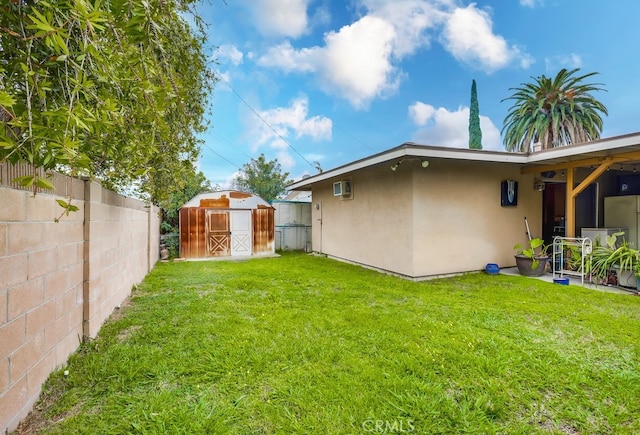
(554, 112)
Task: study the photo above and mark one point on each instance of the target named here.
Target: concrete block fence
(60, 281)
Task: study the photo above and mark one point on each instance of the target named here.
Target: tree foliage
(555, 112)
(475, 133)
(108, 89)
(195, 184)
(263, 178)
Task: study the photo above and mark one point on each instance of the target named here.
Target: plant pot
(626, 278)
(525, 264)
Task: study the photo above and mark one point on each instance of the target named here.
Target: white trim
(410, 149)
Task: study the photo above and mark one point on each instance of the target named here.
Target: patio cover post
(570, 208)
(573, 192)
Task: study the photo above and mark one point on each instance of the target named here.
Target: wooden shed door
(263, 231)
(218, 233)
(240, 232)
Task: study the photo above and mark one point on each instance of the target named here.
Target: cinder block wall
(118, 248)
(60, 281)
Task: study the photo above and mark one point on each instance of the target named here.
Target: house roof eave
(412, 150)
(624, 147)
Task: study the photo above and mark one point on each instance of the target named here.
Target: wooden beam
(573, 192)
(570, 209)
(591, 178)
(603, 164)
(620, 158)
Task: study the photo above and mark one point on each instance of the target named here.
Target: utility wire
(355, 139)
(228, 143)
(221, 156)
(265, 122)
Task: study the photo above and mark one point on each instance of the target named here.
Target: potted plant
(616, 256)
(529, 261)
(636, 273)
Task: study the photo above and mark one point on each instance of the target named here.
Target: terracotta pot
(524, 264)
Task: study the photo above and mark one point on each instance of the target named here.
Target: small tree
(193, 185)
(475, 133)
(263, 178)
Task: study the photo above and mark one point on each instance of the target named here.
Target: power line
(354, 138)
(265, 122)
(228, 143)
(228, 56)
(221, 156)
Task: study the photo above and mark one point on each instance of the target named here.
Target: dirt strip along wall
(60, 281)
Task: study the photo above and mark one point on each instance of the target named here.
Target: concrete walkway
(575, 281)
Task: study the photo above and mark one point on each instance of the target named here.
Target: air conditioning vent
(342, 188)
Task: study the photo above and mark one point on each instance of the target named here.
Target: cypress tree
(475, 133)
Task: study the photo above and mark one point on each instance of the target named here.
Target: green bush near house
(304, 344)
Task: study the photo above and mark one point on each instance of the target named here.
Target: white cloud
(442, 127)
(286, 161)
(359, 62)
(554, 64)
(280, 17)
(321, 16)
(420, 112)
(228, 182)
(469, 36)
(285, 122)
(410, 20)
(356, 61)
(230, 53)
(288, 59)
(226, 79)
(530, 3)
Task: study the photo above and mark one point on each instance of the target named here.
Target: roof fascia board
(392, 154)
(412, 150)
(588, 147)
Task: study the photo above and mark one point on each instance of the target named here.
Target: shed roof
(227, 199)
(296, 196)
(622, 149)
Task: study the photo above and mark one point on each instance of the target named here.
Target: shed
(293, 222)
(226, 223)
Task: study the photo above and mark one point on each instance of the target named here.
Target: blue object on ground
(561, 281)
(492, 269)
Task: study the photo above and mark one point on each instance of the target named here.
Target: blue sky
(325, 81)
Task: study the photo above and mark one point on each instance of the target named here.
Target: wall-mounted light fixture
(423, 163)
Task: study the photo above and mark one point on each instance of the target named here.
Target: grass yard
(303, 344)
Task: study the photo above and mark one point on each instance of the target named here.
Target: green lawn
(304, 344)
